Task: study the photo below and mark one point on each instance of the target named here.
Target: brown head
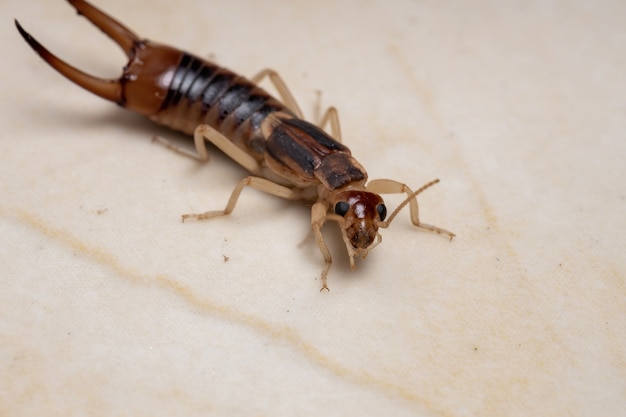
(363, 212)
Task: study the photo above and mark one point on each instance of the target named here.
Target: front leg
(318, 217)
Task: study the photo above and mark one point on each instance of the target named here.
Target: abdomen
(204, 93)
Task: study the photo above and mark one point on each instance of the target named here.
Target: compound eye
(382, 211)
(341, 208)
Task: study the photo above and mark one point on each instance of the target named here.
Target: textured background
(111, 306)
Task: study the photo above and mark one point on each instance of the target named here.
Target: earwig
(285, 155)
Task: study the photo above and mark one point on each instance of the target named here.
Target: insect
(285, 155)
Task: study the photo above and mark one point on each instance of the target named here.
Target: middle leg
(260, 184)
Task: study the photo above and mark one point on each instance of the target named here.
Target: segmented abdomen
(296, 152)
(203, 93)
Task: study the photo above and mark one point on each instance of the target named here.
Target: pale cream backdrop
(111, 306)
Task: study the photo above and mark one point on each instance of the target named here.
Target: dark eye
(341, 208)
(382, 211)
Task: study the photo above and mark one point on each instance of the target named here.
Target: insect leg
(385, 186)
(281, 87)
(330, 115)
(178, 149)
(318, 217)
(206, 132)
(260, 184)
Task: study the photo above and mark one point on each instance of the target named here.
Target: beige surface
(111, 306)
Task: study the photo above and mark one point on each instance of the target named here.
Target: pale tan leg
(330, 116)
(385, 186)
(260, 184)
(175, 148)
(318, 217)
(206, 132)
(281, 87)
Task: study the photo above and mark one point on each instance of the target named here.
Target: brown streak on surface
(277, 332)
